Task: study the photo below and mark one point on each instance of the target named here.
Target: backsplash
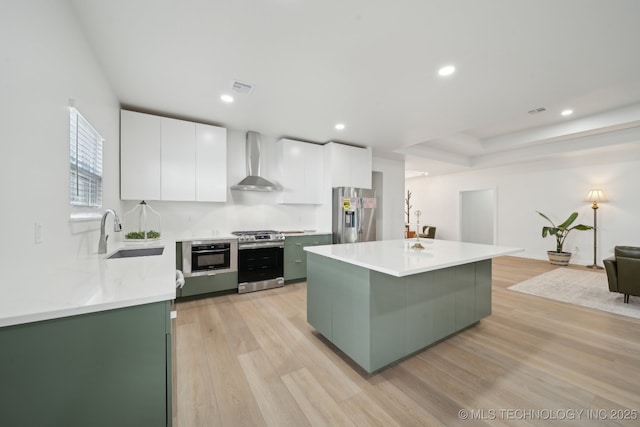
(253, 212)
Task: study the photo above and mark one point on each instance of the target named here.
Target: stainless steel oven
(260, 260)
(207, 257)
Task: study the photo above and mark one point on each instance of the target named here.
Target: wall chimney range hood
(253, 181)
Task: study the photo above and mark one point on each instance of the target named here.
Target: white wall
(44, 61)
(555, 188)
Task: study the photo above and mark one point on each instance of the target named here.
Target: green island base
(377, 319)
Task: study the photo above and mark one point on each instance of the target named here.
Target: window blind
(85, 156)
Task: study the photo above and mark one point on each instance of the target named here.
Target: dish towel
(179, 279)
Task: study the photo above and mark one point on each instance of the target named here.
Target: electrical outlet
(38, 236)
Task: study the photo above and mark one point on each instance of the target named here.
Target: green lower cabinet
(295, 258)
(201, 285)
(109, 368)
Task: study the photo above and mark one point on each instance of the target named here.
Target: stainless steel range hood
(253, 181)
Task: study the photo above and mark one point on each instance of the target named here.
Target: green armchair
(428, 232)
(623, 271)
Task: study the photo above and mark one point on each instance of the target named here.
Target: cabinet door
(340, 165)
(313, 173)
(302, 167)
(349, 166)
(139, 156)
(200, 285)
(293, 174)
(211, 163)
(361, 165)
(107, 368)
(178, 159)
(295, 257)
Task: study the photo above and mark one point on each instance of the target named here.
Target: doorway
(478, 216)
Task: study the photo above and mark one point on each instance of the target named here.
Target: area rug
(584, 288)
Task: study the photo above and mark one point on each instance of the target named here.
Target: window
(85, 156)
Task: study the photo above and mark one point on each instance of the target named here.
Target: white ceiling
(372, 65)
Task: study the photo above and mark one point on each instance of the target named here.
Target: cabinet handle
(298, 244)
(298, 260)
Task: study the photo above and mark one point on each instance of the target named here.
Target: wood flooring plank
(365, 411)
(319, 408)
(415, 385)
(281, 354)
(315, 355)
(400, 407)
(237, 331)
(276, 403)
(196, 398)
(236, 403)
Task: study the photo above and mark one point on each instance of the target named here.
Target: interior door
(478, 216)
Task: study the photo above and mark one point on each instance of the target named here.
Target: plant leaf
(569, 220)
(545, 217)
(582, 227)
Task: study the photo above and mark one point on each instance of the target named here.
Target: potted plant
(560, 232)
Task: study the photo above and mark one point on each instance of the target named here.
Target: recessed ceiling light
(414, 173)
(446, 70)
(567, 112)
(340, 126)
(227, 98)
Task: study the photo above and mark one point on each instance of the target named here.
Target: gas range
(260, 260)
(258, 236)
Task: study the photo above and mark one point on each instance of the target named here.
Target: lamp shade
(596, 196)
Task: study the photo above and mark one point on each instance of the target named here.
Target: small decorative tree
(409, 206)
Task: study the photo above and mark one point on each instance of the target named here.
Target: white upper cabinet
(178, 160)
(348, 166)
(302, 172)
(139, 156)
(169, 159)
(211, 163)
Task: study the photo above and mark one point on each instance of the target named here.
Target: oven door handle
(210, 251)
(260, 245)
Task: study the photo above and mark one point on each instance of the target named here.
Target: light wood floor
(252, 360)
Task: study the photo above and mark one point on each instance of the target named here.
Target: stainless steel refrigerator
(354, 215)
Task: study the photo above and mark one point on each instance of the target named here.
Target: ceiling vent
(537, 110)
(240, 87)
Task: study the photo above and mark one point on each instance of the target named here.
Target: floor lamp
(595, 196)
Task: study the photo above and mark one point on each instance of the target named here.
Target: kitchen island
(380, 302)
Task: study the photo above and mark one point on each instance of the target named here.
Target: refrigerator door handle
(360, 219)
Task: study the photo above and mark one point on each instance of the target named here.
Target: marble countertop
(397, 258)
(89, 284)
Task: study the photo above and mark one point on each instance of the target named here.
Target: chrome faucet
(117, 227)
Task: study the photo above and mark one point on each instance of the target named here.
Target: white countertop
(397, 258)
(89, 284)
(305, 233)
(192, 237)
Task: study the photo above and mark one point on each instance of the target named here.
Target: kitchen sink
(130, 253)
